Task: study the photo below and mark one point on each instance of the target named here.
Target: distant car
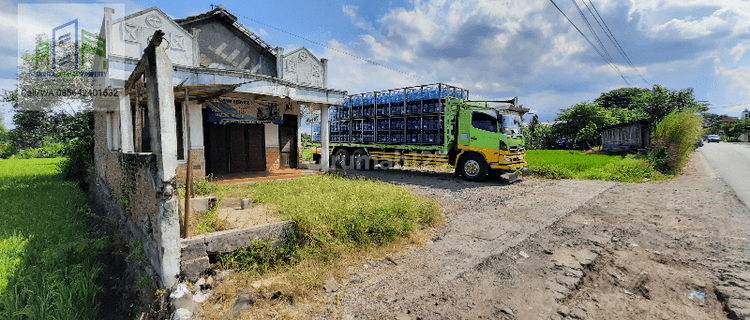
(713, 138)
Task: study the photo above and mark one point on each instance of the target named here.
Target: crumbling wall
(126, 192)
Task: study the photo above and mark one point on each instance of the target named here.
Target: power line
(334, 49)
(613, 39)
(607, 56)
(590, 43)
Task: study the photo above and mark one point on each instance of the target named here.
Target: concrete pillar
(161, 114)
(163, 129)
(196, 49)
(325, 145)
(279, 62)
(126, 123)
(325, 72)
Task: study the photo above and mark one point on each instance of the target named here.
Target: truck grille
(516, 149)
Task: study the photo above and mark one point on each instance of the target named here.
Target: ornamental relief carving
(301, 67)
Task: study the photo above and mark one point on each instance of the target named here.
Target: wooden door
(256, 147)
(288, 141)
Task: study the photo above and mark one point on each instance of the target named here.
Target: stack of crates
(412, 115)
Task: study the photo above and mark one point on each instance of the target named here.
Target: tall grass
(49, 263)
(678, 131)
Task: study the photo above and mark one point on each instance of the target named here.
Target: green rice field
(571, 164)
(48, 266)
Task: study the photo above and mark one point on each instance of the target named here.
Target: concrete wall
(123, 191)
(195, 250)
(199, 166)
(222, 46)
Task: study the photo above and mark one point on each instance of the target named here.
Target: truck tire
(361, 160)
(473, 167)
(341, 158)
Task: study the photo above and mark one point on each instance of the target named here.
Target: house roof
(625, 124)
(221, 13)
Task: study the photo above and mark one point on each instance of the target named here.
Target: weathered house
(203, 88)
(626, 136)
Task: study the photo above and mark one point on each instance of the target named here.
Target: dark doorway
(288, 141)
(234, 148)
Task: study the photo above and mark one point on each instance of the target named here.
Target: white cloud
(264, 34)
(351, 12)
(739, 78)
(739, 50)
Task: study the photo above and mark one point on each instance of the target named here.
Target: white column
(324, 156)
(196, 125)
(126, 123)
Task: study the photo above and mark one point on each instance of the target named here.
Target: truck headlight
(507, 160)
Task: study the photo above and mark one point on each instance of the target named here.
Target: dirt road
(570, 249)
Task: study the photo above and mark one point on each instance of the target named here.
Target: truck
(432, 124)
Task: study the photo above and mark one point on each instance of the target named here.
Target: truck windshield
(511, 124)
(484, 121)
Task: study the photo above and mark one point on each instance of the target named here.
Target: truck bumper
(525, 171)
(510, 176)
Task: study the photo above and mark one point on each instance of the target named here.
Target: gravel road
(543, 249)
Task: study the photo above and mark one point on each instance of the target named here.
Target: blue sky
(496, 49)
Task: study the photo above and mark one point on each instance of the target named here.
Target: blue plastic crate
(356, 101)
(368, 125)
(383, 137)
(413, 124)
(369, 110)
(368, 99)
(431, 93)
(397, 124)
(368, 137)
(383, 109)
(413, 138)
(383, 124)
(397, 109)
(384, 98)
(397, 96)
(414, 95)
(397, 137)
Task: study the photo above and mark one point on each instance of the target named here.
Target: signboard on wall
(227, 110)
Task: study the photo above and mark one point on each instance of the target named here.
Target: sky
(495, 49)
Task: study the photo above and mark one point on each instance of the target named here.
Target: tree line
(580, 126)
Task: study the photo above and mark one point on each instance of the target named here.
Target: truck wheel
(341, 158)
(361, 160)
(384, 165)
(473, 168)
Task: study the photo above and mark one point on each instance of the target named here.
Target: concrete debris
(182, 314)
(523, 254)
(179, 291)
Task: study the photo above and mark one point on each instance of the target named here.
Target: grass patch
(566, 164)
(208, 222)
(48, 265)
(332, 217)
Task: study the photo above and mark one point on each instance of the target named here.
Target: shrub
(678, 132)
